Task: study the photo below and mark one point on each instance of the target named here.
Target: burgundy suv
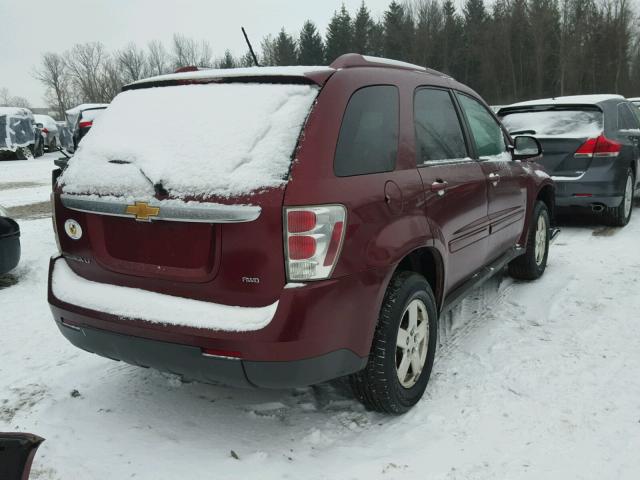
(281, 227)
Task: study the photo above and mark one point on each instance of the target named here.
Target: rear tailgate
(189, 203)
(559, 157)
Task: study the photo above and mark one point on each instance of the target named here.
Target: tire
(378, 386)
(24, 153)
(533, 263)
(619, 216)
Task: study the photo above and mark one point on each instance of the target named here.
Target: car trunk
(559, 157)
(561, 130)
(201, 220)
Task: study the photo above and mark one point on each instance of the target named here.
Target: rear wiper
(157, 187)
(523, 132)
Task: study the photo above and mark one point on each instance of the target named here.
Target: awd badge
(73, 229)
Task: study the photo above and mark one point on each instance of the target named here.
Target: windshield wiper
(157, 187)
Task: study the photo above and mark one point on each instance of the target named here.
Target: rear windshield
(195, 140)
(555, 122)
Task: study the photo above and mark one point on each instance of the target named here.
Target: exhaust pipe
(597, 208)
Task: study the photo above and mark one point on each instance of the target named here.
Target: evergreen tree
(475, 42)
(310, 46)
(362, 26)
(285, 49)
(451, 40)
(429, 34)
(376, 39)
(398, 32)
(227, 60)
(339, 38)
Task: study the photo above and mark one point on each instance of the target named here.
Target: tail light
(599, 147)
(86, 124)
(44, 130)
(313, 239)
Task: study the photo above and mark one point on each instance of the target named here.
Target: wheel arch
(428, 262)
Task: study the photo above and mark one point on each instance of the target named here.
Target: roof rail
(188, 68)
(349, 60)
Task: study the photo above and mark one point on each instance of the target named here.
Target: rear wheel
(403, 349)
(619, 216)
(533, 263)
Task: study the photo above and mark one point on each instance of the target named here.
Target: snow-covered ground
(534, 381)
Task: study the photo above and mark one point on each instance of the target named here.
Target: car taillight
(313, 238)
(86, 124)
(44, 130)
(599, 147)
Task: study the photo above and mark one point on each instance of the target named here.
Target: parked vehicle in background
(591, 148)
(19, 136)
(9, 242)
(406, 193)
(80, 120)
(65, 136)
(49, 129)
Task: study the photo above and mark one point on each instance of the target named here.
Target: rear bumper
(320, 331)
(601, 184)
(190, 363)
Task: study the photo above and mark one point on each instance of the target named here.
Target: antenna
(255, 59)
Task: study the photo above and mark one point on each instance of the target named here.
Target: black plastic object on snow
(9, 246)
(16, 454)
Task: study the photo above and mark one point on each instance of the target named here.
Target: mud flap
(16, 454)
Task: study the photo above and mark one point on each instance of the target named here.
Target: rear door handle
(439, 186)
(494, 178)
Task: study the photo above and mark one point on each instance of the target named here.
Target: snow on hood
(196, 140)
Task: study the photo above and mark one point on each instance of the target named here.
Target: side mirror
(525, 147)
(39, 125)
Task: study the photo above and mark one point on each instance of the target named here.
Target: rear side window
(484, 128)
(547, 121)
(626, 118)
(439, 135)
(368, 141)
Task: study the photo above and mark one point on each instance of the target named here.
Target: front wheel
(619, 216)
(533, 263)
(403, 348)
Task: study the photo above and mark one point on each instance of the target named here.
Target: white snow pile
(196, 140)
(155, 307)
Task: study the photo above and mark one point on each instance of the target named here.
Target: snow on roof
(85, 106)
(394, 63)
(200, 140)
(569, 100)
(634, 99)
(16, 111)
(296, 71)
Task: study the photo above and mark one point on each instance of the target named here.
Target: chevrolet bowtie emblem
(142, 211)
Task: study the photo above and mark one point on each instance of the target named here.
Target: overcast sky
(29, 28)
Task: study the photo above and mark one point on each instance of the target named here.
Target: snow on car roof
(634, 99)
(85, 106)
(569, 100)
(296, 71)
(19, 111)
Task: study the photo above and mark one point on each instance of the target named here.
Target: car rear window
(555, 122)
(368, 141)
(226, 139)
(90, 115)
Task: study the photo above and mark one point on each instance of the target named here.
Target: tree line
(507, 50)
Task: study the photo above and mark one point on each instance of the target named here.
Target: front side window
(439, 135)
(485, 130)
(368, 140)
